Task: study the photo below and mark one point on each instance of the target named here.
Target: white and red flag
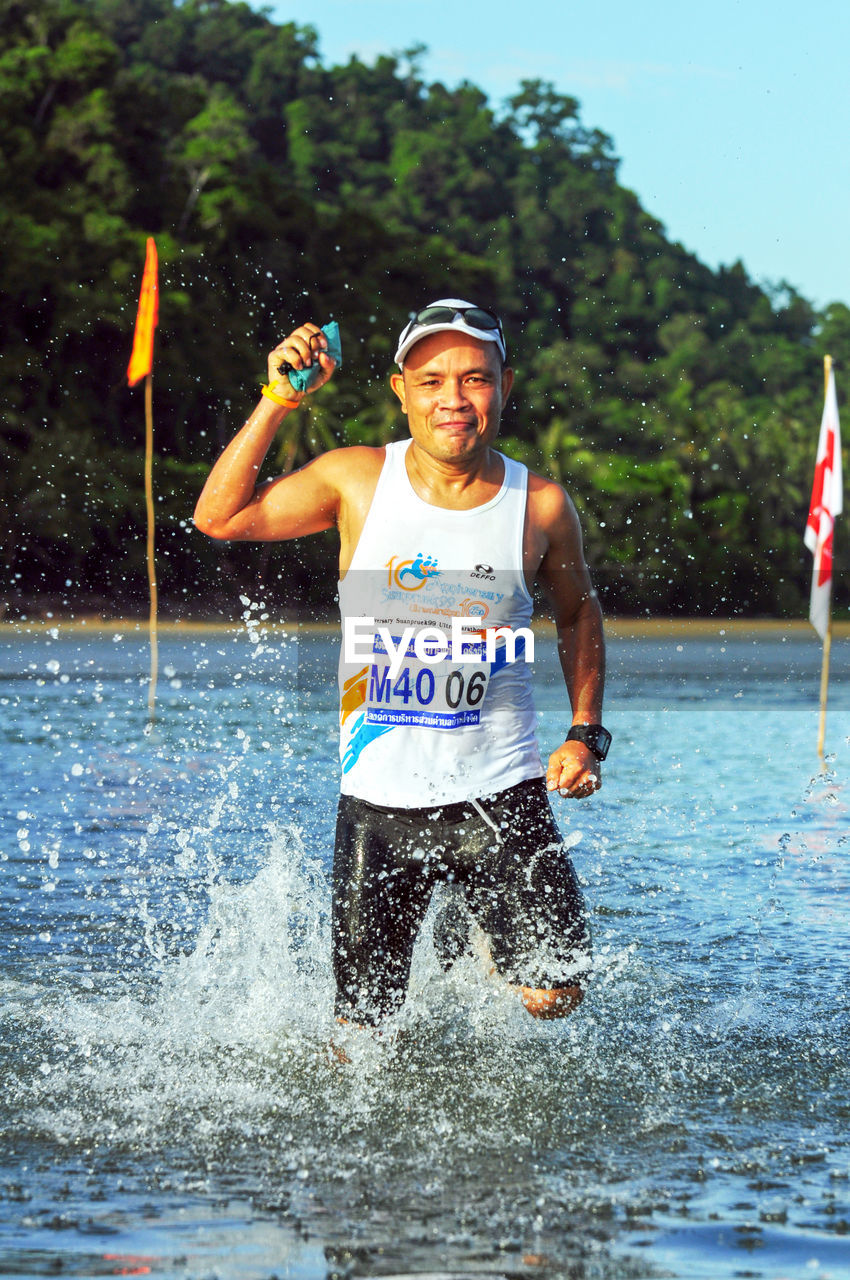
(825, 505)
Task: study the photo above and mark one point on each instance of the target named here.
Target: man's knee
(555, 1002)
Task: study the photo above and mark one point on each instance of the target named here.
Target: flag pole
(824, 690)
(151, 563)
(827, 640)
(141, 367)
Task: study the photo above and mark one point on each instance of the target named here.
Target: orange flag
(141, 360)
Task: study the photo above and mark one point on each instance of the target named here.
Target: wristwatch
(594, 736)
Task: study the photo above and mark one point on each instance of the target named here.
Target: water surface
(171, 1107)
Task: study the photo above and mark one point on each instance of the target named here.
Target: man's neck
(460, 483)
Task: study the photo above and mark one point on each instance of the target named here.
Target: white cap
(413, 332)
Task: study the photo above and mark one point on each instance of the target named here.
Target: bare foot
(556, 1003)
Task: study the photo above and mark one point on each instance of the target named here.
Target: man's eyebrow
(435, 373)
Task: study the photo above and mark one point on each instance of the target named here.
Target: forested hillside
(679, 405)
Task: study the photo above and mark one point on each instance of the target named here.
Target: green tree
(679, 405)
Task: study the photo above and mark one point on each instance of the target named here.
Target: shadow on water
(173, 1104)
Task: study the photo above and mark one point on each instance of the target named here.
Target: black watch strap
(594, 736)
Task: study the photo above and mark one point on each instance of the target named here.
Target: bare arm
(231, 504)
(573, 768)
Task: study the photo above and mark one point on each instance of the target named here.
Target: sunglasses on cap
(475, 317)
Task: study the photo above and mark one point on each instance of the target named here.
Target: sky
(731, 118)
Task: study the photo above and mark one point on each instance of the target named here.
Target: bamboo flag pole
(825, 505)
(824, 690)
(141, 366)
(151, 562)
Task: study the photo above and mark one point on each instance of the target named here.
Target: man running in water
(441, 773)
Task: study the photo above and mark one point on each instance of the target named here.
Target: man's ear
(507, 383)
(397, 384)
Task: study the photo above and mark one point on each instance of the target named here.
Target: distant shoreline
(615, 628)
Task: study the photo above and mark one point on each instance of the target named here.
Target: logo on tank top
(483, 571)
(411, 575)
(471, 608)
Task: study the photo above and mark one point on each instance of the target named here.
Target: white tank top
(430, 732)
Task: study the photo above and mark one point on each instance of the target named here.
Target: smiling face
(453, 390)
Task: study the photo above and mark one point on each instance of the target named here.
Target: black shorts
(516, 878)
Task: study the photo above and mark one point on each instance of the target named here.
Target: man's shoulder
(352, 466)
(546, 498)
(357, 455)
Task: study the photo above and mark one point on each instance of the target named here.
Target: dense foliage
(679, 405)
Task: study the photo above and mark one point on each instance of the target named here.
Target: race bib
(437, 695)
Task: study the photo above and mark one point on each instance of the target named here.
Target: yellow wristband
(270, 395)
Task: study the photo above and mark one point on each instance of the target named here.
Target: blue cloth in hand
(303, 379)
